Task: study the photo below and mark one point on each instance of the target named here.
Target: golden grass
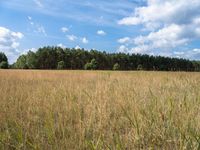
(99, 110)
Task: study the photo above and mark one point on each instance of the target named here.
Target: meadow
(99, 110)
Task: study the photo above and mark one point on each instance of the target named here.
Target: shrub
(93, 65)
(4, 65)
(61, 65)
(88, 66)
(140, 67)
(116, 66)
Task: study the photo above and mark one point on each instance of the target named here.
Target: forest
(80, 59)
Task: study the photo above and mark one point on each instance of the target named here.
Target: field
(99, 110)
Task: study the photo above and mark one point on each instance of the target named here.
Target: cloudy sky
(156, 27)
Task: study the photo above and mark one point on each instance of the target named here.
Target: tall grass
(99, 110)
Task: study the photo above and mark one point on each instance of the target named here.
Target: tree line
(79, 59)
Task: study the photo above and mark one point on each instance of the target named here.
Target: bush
(88, 66)
(4, 65)
(93, 65)
(140, 67)
(116, 66)
(61, 65)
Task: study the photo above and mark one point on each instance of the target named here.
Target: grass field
(99, 110)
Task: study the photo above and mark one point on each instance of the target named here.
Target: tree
(3, 61)
(61, 65)
(46, 58)
(94, 64)
(88, 66)
(4, 65)
(31, 60)
(21, 62)
(140, 67)
(116, 66)
(59, 58)
(3, 57)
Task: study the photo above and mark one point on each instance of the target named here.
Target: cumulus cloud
(124, 40)
(164, 11)
(172, 24)
(193, 54)
(101, 32)
(64, 29)
(129, 21)
(9, 42)
(122, 49)
(84, 40)
(61, 45)
(77, 47)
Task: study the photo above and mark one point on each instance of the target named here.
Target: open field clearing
(99, 110)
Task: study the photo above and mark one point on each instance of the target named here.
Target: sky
(155, 27)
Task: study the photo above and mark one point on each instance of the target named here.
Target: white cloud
(61, 45)
(36, 27)
(122, 49)
(101, 32)
(41, 29)
(64, 29)
(142, 49)
(38, 3)
(124, 40)
(164, 11)
(85, 40)
(77, 47)
(129, 21)
(29, 18)
(9, 43)
(29, 49)
(15, 45)
(172, 24)
(17, 34)
(71, 37)
(165, 38)
(193, 54)
(190, 54)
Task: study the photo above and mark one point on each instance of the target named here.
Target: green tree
(48, 58)
(21, 62)
(94, 64)
(4, 65)
(140, 67)
(31, 60)
(3, 57)
(88, 66)
(116, 66)
(61, 65)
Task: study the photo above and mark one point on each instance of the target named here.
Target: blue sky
(156, 27)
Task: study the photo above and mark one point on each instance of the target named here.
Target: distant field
(99, 110)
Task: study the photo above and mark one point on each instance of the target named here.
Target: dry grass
(99, 110)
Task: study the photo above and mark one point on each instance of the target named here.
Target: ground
(99, 110)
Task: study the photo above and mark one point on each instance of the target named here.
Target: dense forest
(78, 59)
